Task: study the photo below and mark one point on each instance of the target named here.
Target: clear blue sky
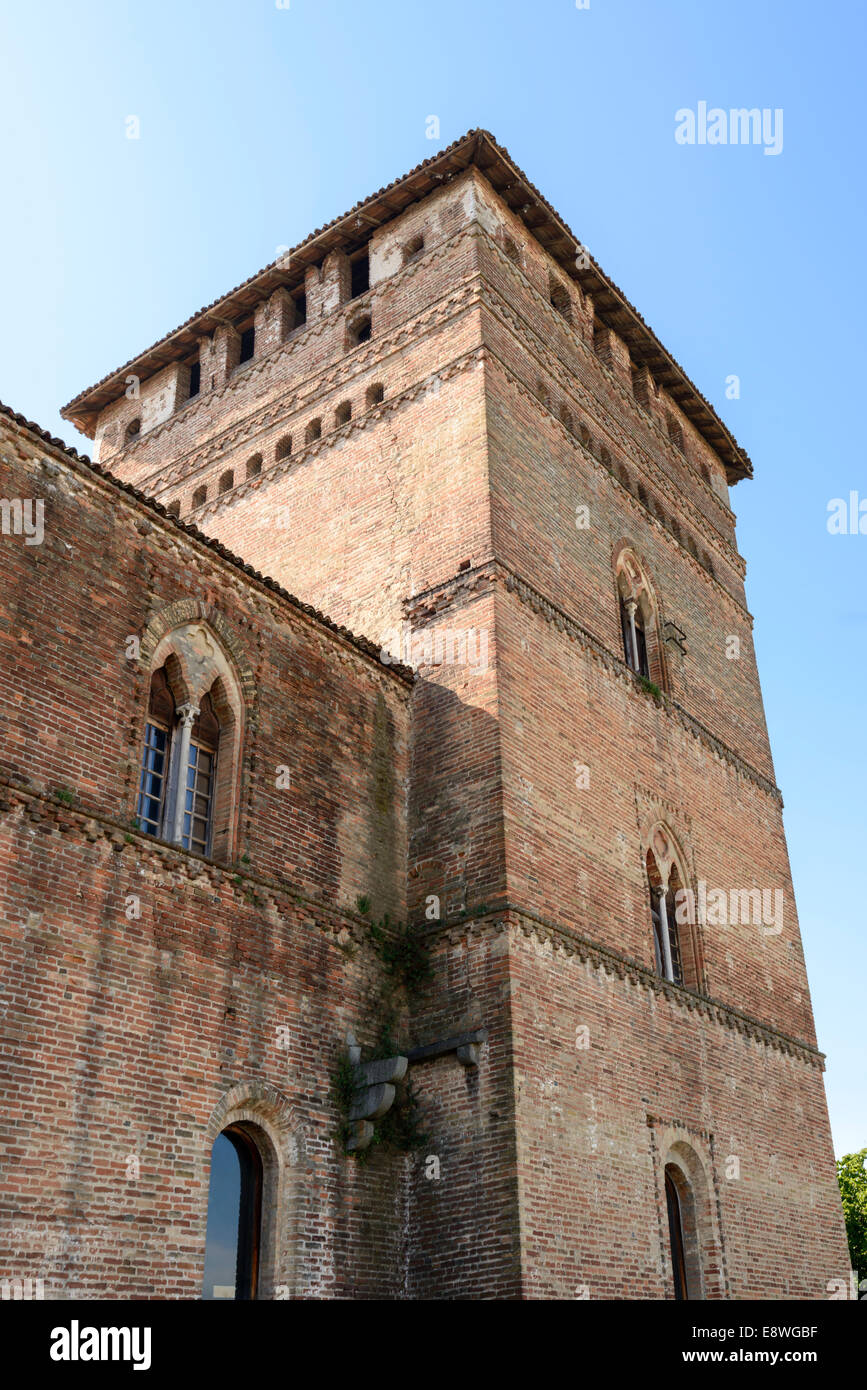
(259, 124)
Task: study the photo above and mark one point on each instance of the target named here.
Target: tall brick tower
(439, 422)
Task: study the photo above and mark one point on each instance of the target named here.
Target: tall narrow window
(195, 379)
(675, 1235)
(153, 779)
(360, 273)
(634, 637)
(248, 345)
(662, 910)
(151, 803)
(199, 780)
(234, 1232)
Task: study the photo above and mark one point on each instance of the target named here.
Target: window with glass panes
(152, 786)
(199, 780)
(151, 803)
(198, 798)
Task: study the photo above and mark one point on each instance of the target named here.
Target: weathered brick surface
(446, 501)
(127, 1037)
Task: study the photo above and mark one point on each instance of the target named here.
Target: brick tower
(439, 422)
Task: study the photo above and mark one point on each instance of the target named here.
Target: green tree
(852, 1177)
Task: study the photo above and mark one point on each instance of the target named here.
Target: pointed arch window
(178, 769)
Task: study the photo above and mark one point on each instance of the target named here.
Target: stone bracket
(466, 1045)
(374, 1092)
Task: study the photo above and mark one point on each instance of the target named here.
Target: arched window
(200, 496)
(343, 413)
(234, 1233)
(663, 909)
(694, 1249)
(566, 417)
(358, 331)
(133, 429)
(177, 783)
(413, 249)
(375, 394)
(227, 481)
(638, 619)
(174, 508)
(676, 931)
(313, 431)
(254, 466)
(284, 447)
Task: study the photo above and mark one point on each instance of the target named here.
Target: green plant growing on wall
(650, 688)
(406, 967)
(66, 795)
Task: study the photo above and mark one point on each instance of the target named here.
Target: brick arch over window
(686, 1164)
(633, 584)
(277, 1129)
(667, 868)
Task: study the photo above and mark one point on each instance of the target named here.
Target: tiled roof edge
(738, 465)
(362, 644)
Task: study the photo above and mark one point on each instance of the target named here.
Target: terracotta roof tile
(480, 148)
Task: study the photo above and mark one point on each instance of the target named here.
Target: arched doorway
(675, 1236)
(683, 1234)
(234, 1233)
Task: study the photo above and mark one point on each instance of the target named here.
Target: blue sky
(259, 124)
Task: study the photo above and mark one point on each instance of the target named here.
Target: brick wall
(141, 1035)
(489, 406)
